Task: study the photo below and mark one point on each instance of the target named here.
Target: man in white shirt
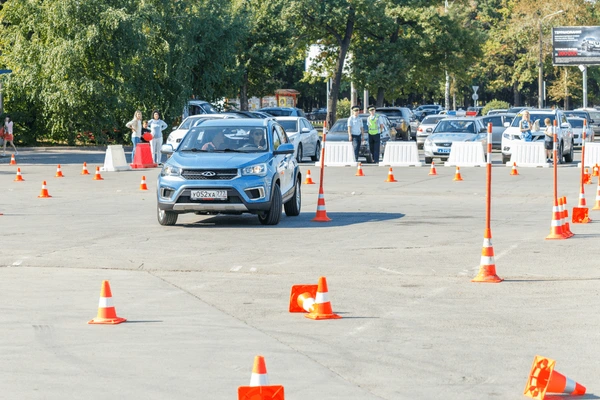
(356, 132)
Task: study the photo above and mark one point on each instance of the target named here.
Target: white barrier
(338, 154)
(592, 154)
(401, 154)
(466, 154)
(528, 154)
(114, 160)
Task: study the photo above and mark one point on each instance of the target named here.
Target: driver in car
(216, 143)
(257, 138)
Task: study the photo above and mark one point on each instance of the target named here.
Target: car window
(341, 125)
(533, 117)
(276, 138)
(188, 122)
(391, 113)
(300, 112)
(432, 120)
(289, 126)
(495, 120)
(576, 123)
(208, 109)
(278, 112)
(282, 135)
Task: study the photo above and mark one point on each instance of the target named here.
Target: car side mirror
(175, 127)
(305, 130)
(506, 124)
(166, 149)
(565, 125)
(286, 148)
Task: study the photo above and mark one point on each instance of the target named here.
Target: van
(195, 107)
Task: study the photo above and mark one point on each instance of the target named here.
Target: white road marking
(252, 269)
(17, 263)
(236, 269)
(390, 270)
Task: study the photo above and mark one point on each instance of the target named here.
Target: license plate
(443, 150)
(208, 195)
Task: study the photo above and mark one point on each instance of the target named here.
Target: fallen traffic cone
(595, 170)
(587, 178)
(359, 171)
(98, 177)
(487, 265)
(44, 193)
(12, 160)
(143, 185)
(580, 214)
(308, 180)
(106, 310)
(59, 173)
(544, 379)
(390, 177)
(302, 298)
(556, 228)
(457, 176)
(514, 171)
(19, 177)
(597, 204)
(565, 211)
(322, 308)
(432, 170)
(321, 212)
(259, 388)
(84, 170)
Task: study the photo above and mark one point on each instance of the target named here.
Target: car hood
(452, 137)
(337, 136)
(191, 160)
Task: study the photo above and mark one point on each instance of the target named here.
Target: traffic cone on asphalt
(19, 177)
(308, 180)
(544, 379)
(487, 265)
(359, 171)
(302, 298)
(259, 388)
(432, 170)
(457, 176)
(259, 375)
(556, 227)
(12, 160)
(84, 170)
(143, 185)
(595, 170)
(106, 310)
(580, 214)
(98, 177)
(514, 171)
(322, 308)
(565, 211)
(44, 193)
(390, 177)
(597, 204)
(321, 211)
(587, 178)
(59, 173)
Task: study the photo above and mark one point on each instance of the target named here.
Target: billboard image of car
(576, 45)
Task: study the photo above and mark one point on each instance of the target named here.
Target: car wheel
(369, 158)
(428, 160)
(408, 135)
(166, 217)
(299, 155)
(317, 155)
(272, 216)
(293, 205)
(312, 117)
(569, 157)
(559, 155)
(505, 159)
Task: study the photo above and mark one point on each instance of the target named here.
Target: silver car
(450, 130)
(499, 124)
(305, 137)
(426, 127)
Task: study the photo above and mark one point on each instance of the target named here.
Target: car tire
(165, 217)
(569, 157)
(559, 154)
(317, 155)
(272, 216)
(312, 117)
(369, 158)
(293, 205)
(299, 155)
(408, 135)
(428, 160)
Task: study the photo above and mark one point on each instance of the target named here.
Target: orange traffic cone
(19, 177)
(98, 177)
(565, 213)
(544, 379)
(321, 212)
(432, 170)
(302, 298)
(84, 170)
(514, 171)
(106, 310)
(44, 193)
(457, 176)
(487, 265)
(580, 214)
(359, 171)
(308, 180)
(59, 173)
(143, 185)
(322, 304)
(390, 177)
(597, 204)
(587, 178)
(12, 160)
(259, 388)
(595, 170)
(556, 227)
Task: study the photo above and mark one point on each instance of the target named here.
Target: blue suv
(231, 166)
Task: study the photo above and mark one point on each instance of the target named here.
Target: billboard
(576, 45)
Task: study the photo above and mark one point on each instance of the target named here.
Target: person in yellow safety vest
(376, 126)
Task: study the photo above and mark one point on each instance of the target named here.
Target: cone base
(322, 316)
(555, 236)
(361, 174)
(309, 183)
(107, 321)
(19, 180)
(391, 180)
(487, 274)
(45, 196)
(97, 179)
(143, 188)
(432, 174)
(457, 179)
(321, 218)
(85, 173)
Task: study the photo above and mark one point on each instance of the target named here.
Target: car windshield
(455, 126)
(278, 112)
(341, 125)
(432, 120)
(208, 109)
(575, 123)
(391, 113)
(581, 114)
(188, 122)
(246, 139)
(289, 126)
(533, 117)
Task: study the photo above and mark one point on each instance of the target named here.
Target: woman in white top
(156, 126)
(136, 131)
(8, 135)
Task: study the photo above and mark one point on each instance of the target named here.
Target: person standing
(8, 135)
(356, 133)
(525, 127)
(136, 131)
(548, 139)
(375, 126)
(156, 126)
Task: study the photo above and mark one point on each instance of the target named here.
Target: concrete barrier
(528, 154)
(338, 154)
(466, 154)
(114, 160)
(592, 154)
(401, 154)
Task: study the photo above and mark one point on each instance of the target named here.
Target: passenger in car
(216, 143)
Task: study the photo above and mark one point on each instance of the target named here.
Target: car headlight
(428, 142)
(258, 169)
(169, 170)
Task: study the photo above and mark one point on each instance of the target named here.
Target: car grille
(445, 144)
(209, 174)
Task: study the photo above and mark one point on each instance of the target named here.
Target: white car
(426, 127)
(577, 126)
(179, 131)
(563, 131)
(305, 137)
(449, 130)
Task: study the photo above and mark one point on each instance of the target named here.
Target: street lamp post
(540, 63)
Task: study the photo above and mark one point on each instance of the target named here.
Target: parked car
(317, 115)
(339, 133)
(497, 111)
(449, 130)
(401, 117)
(426, 127)
(427, 109)
(195, 107)
(537, 116)
(474, 111)
(594, 119)
(261, 114)
(241, 114)
(283, 111)
(499, 124)
(179, 132)
(518, 109)
(237, 177)
(577, 127)
(305, 137)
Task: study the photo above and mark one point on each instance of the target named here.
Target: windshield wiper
(194, 149)
(230, 151)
